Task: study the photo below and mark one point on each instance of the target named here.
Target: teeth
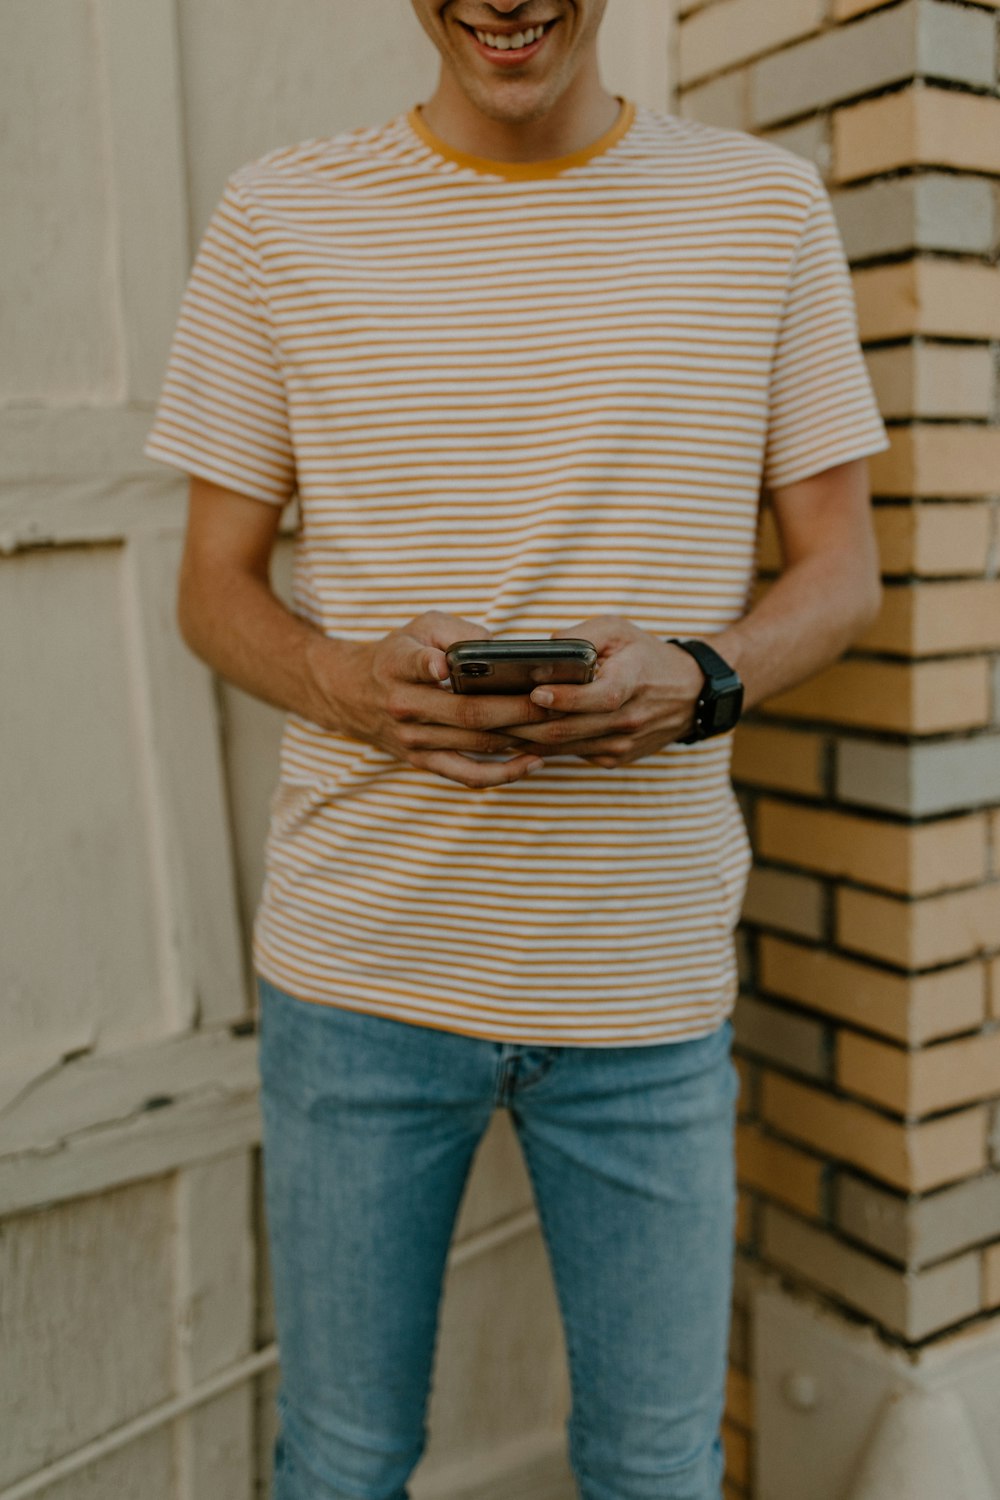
(509, 43)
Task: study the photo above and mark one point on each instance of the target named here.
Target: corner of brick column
(868, 1027)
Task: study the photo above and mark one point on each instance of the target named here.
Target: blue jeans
(370, 1127)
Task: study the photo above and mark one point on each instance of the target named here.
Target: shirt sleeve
(822, 408)
(223, 413)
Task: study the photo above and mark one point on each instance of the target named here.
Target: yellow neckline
(520, 170)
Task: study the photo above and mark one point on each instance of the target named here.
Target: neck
(581, 115)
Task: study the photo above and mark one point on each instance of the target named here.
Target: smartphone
(516, 667)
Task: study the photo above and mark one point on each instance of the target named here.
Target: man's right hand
(392, 693)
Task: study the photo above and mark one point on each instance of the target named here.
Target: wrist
(719, 702)
(332, 668)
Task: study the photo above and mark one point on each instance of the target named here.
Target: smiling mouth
(513, 43)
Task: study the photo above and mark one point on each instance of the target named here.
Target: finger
(608, 692)
(419, 737)
(477, 774)
(569, 729)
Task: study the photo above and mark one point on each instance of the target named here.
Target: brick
(933, 211)
(917, 1233)
(915, 38)
(949, 462)
(991, 1276)
(993, 983)
(747, 1098)
(919, 934)
(954, 299)
(722, 102)
(925, 698)
(933, 540)
(912, 1306)
(806, 138)
(918, 126)
(911, 1008)
(735, 30)
(739, 1398)
(845, 10)
(898, 857)
(778, 1170)
(932, 380)
(795, 1042)
(922, 1082)
(936, 618)
(745, 1234)
(736, 1446)
(786, 902)
(785, 758)
(994, 824)
(919, 780)
(913, 1158)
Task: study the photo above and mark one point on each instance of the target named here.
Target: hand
(391, 693)
(642, 698)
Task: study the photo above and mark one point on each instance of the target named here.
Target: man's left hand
(642, 698)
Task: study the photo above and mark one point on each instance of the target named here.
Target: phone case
(518, 666)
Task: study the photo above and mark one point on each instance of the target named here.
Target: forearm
(805, 620)
(238, 626)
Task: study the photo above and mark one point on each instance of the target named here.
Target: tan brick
(768, 756)
(779, 1170)
(937, 618)
(995, 840)
(787, 902)
(735, 30)
(911, 1008)
(923, 698)
(746, 1099)
(732, 1491)
(932, 380)
(745, 1220)
(993, 980)
(932, 540)
(895, 856)
(920, 1082)
(912, 1306)
(956, 299)
(885, 48)
(991, 1276)
(844, 10)
(721, 102)
(914, 1158)
(949, 462)
(919, 126)
(919, 934)
(739, 1398)
(736, 1446)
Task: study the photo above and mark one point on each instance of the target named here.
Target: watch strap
(722, 684)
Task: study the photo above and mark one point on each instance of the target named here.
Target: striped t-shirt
(523, 394)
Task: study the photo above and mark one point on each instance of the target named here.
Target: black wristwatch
(721, 699)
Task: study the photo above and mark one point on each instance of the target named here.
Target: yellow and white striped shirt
(523, 394)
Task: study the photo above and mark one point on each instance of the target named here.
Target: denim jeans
(370, 1127)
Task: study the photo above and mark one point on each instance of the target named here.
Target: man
(527, 354)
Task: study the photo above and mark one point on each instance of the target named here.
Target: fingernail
(542, 696)
(534, 765)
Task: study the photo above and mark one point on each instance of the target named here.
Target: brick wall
(869, 1030)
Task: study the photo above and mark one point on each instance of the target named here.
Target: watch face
(727, 709)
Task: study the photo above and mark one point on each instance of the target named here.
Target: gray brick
(930, 212)
(771, 1031)
(879, 1219)
(785, 902)
(917, 1232)
(921, 779)
(808, 138)
(721, 102)
(921, 37)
